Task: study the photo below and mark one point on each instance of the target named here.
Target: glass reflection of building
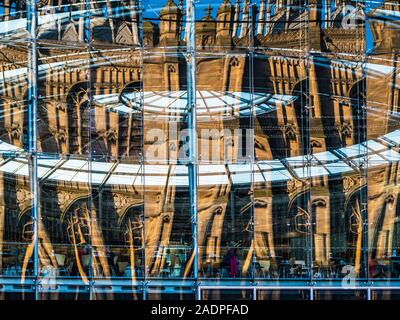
(296, 166)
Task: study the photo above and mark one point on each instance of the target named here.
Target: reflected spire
(208, 10)
(261, 18)
(236, 19)
(245, 19)
(327, 5)
(268, 16)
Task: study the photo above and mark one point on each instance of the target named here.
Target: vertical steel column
(31, 17)
(306, 142)
(327, 13)
(364, 192)
(191, 96)
(308, 159)
(139, 8)
(252, 35)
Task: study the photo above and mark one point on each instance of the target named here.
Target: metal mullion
(190, 55)
(364, 202)
(362, 169)
(32, 17)
(87, 40)
(139, 7)
(305, 114)
(252, 113)
(192, 126)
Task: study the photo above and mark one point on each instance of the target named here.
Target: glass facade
(168, 149)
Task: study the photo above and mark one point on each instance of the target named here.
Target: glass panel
(17, 246)
(382, 101)
(64, 228)
(282, 171)
(287, 294)
(91, 203)
(168, 225)
(385, 295)
(118, 239)
(119, 296)
(213, 201)
(337, 130)
(117, 23)
(228, 294)
(117, 174)
(16, 210)
(236, 250)
(297, 147)
(65, 127)
(53, 291)
(65, 112)
(29, 295)
(340, 294)
(69, 296)
(225, 165)
(14, 64)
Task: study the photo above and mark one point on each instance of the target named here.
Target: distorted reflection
(296, 167)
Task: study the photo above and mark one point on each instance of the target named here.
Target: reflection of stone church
(290, 51)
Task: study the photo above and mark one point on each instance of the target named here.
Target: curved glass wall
(181, 150)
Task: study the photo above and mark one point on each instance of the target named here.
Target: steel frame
(32, 284)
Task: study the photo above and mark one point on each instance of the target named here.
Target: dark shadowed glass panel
(226, 294)
(288, 294)
(340, 294)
